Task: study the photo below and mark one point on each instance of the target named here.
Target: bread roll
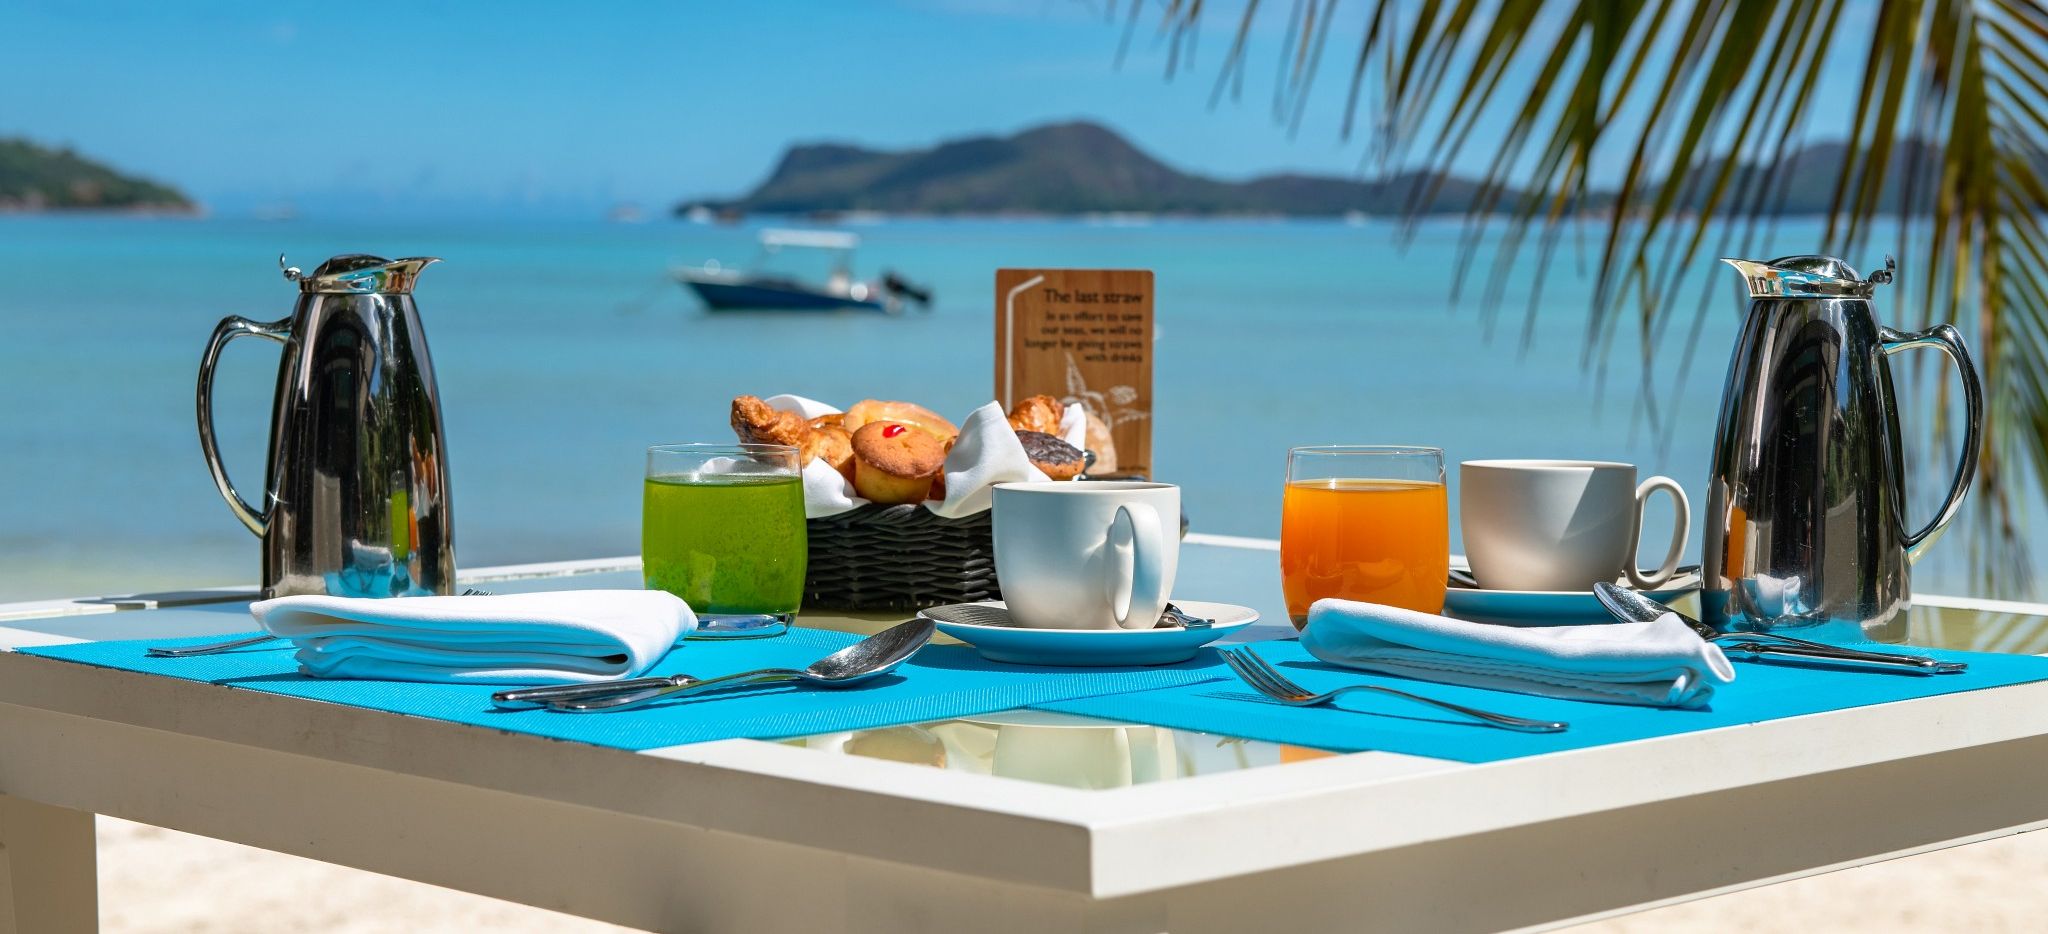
(1037, 413)
(1104, 446)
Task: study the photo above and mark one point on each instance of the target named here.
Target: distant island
(1063, 168)
(39, 178)
(1082, 168)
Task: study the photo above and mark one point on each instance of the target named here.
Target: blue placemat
(1762, 691)
(941, 682)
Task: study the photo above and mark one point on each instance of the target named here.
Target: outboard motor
(898, 285)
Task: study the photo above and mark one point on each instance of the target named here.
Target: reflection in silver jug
(356, 497)
(1805, 522)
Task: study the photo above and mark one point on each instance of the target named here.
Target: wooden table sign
(1082, 335)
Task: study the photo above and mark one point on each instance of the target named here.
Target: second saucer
(986, 627)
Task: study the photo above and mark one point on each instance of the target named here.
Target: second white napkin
(1660, 663)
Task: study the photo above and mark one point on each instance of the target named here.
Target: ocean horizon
(563, 350)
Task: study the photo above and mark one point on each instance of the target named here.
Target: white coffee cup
(1097, 554)
(1559, 525)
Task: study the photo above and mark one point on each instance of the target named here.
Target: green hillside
(38, 178)
(1079, 167)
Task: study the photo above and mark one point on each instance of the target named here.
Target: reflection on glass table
(1975, 626)
(1059, 749)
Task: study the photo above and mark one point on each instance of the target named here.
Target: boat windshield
(808, 255)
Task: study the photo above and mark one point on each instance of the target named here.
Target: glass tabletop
(1059, 749)
(1088, 753)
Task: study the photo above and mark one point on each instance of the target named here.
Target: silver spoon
(535, 698)
(1631, 607)
(215, 648)
(1175, 616)
(871, 657)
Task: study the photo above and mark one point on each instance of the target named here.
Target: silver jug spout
(359, 273)
(1807, 277)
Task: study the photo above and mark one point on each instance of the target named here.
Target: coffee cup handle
(1137, 573)
(1680, 528)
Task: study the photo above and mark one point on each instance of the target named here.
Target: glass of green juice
(722, 526)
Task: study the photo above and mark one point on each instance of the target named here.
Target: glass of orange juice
(1367, 523)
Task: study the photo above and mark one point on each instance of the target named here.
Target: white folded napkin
(1660, 663)
(987, 453)
(529, 638)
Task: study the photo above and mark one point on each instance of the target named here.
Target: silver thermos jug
(356, 498)
(1806, 521)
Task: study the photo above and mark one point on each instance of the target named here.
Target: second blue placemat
(1366, 721)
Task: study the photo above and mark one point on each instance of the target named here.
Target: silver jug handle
(1945, 338)
(230, 328)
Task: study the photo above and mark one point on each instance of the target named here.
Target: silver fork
(215, 648)
(1267, 680)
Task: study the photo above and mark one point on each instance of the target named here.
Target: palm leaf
(1948, 126)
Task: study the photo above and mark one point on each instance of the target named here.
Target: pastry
(757, 422)
(833, 445)
(834, 420)
(895, 463)
(1038, 413)
(870, 411)
(1057, 459)
(1103, 445)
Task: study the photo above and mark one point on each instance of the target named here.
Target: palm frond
(1947, 130)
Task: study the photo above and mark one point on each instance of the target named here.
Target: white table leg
(49, 876)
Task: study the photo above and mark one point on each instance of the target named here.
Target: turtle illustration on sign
(1106, 410)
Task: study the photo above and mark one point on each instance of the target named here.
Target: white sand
(154, 880)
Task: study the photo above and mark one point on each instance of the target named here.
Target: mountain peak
(1073, 166)
(1079, 166)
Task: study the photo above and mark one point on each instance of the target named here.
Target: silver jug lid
(358, 273)
(1809, 276)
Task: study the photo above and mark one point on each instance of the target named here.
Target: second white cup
(1557, 525)
(1098, 554)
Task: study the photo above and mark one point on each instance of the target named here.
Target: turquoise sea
(562, 352)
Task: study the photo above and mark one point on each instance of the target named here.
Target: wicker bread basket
(903, 557)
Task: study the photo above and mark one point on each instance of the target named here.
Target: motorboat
(754, 288)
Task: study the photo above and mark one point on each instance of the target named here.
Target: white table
(773, 836)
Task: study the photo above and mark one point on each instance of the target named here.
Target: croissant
(834, 446)
(1038, 413)
(757, 422)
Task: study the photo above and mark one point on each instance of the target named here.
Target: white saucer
(1099, 647)
(1548, 607)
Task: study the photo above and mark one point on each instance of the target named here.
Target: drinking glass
(722, 526)
(1362, 522)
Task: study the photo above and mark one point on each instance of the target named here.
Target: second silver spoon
(869, 658)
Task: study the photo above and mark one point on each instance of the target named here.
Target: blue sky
(562, 109)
